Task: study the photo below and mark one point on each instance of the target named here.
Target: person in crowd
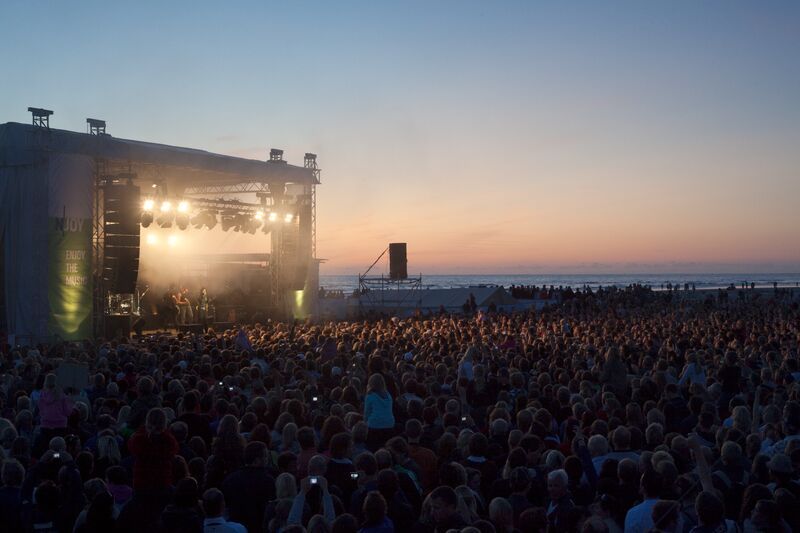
(249, 488)
(214, 508)
(54, 408)
(375, 519)
(378, 412)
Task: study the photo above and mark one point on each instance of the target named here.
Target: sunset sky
(493, 137)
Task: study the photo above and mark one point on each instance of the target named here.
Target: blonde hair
(289, 436)
(501, 513)
(108, 447)
(285, 486)
(51, 384)
(467, 504)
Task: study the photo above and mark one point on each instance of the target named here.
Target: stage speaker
(398, 263)
(121, 237)
(117, 326)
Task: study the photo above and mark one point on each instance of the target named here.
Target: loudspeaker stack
(121, 237)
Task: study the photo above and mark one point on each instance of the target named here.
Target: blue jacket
(378, 411)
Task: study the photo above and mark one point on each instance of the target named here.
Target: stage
(89, 217)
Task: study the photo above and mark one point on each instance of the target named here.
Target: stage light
(183, 207)
(172, 240)
(152, 239)
(242, 223)
(205, 218)
(251, 226)
(211, 219)
(166, 216)
(147, 218)
(148, 204)
(273, 216)
(288, 218)
(259, 215)
(228, 221)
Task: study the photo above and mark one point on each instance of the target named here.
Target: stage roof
(22, 144)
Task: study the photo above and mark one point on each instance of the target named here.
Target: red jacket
(153, 454)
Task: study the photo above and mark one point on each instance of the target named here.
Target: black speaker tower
(398, 262)
(121, 231)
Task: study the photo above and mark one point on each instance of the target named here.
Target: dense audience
(617, 410)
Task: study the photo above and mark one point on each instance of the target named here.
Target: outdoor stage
(94, 227)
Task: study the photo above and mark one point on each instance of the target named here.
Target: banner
(70, 246)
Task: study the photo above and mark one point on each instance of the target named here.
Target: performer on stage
(189, 308)
(202, 308)
(185, 315)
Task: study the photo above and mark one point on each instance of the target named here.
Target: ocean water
(701, 281)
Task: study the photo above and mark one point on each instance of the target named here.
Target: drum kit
(122, 304)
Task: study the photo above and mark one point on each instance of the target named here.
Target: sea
(576, 281)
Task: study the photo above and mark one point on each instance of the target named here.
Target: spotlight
(242, 222)
(205, 218)
(273, 216)
(165, 218)
(166, 206)
(172, 240)
(259, 215)
(147, 218)
(148, 204)
(211, 219)
(252, 225)
(183, 207)
(288, 218)
(152, 239)
(228, 220)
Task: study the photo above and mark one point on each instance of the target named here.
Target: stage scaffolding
(386, 294)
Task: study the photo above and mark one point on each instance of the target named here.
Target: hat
(780, 463)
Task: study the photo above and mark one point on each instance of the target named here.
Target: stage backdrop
(70, 183)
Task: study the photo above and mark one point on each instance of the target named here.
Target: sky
(493, 137)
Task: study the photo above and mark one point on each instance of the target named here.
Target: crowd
(618, 410)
